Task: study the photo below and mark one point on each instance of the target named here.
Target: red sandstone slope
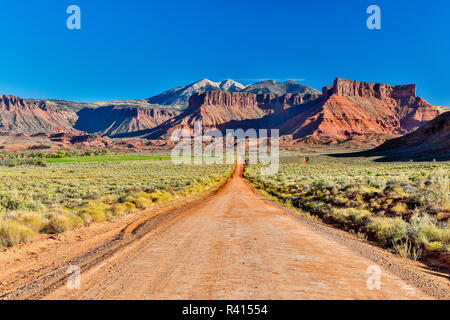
(432, 140)
(20, 116)
(352, 108)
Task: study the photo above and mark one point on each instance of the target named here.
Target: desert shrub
(96, 210)
(407, 249)
(142, 203)
(446, 247)
(357, 216)
(434, 193)
(34, 221)
(399, 208)
(431, 233)
(86, 217)
(130, 206)
(110, 199)
(395, 192)
(315, 207)
(119, 208)
(128, 198)
(12, 233)
(375, 204)
(434, 246)
(97, 214)
(58, 223)
(340, 200)
(363, 190)
(388, 230)
(159, 196)
(75, 221)
(417, 221)
(359, 235)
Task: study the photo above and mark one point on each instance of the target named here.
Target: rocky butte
(355, 108)
(343, 87)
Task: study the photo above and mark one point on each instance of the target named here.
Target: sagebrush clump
(64, 196)
(405, 206)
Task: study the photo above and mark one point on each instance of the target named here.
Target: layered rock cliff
(343, 88)
(350, 108)
(249, 100)
(20, 116)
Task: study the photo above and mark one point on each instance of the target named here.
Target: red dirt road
(235, 245)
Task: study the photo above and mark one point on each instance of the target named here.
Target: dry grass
(64, 196)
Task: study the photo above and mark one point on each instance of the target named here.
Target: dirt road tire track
(49, 280)
(235, 245)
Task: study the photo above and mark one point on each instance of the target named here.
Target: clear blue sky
(136, 48)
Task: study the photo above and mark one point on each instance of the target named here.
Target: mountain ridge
(180, 96)
(346, 109)
(274, 87)
(340, 112)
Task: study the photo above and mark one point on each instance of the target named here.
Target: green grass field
(106, 158)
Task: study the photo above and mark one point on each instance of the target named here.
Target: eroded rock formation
(344, 87)
(350, 108)
(19, 116)
(229, 110)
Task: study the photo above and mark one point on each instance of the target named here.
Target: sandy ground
(234, 245)
(36, 263)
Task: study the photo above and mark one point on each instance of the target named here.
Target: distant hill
(62, 105)
(180, 96)
(430, 141)
(232, 110)
(271, 86)
(112, 120)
